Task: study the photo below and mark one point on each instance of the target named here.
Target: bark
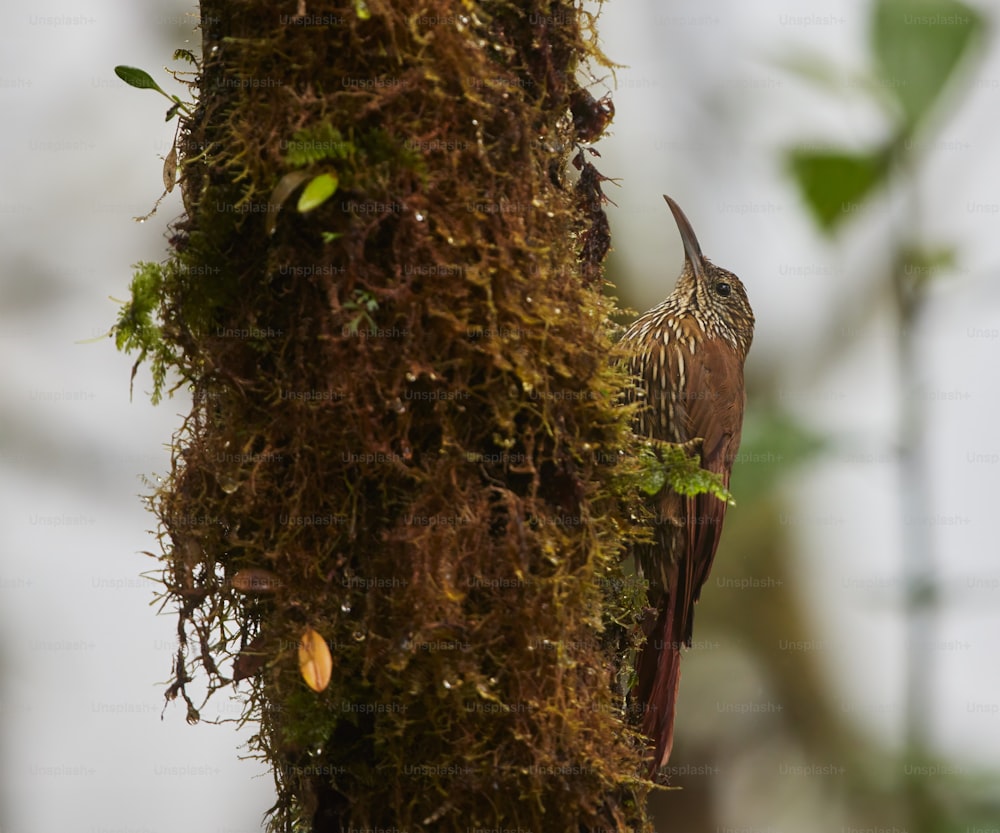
(406, 432)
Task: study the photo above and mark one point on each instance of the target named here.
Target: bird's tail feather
(659, 675)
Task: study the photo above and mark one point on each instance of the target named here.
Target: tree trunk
(386, 298)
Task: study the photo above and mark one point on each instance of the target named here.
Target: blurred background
(840, 157)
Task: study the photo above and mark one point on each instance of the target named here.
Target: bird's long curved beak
(692, 250)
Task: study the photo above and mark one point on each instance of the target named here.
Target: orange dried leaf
(315, 661)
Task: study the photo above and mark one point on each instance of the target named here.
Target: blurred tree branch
(917, 51)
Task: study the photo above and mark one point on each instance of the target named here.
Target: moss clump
(404, 412)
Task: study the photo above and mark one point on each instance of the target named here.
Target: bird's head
(713, 294)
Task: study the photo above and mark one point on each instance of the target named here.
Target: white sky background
(700, 115)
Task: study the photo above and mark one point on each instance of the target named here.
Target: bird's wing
(714, 404)
(714, 412)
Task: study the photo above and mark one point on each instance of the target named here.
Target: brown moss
(405, 410)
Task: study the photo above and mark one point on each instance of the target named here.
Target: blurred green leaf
(810, 66)
(918, 44)
(835, 78)
(773, 443)
(834, 183)
(920, 265)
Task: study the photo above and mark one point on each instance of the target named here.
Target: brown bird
(687, 358)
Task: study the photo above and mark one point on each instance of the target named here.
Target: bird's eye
(723, 289)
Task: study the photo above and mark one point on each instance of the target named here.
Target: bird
(686, 357)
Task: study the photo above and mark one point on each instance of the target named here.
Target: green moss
(138, 327)
(674, 466)
(316, 144)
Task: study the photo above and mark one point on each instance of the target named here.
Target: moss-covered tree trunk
(405, 422)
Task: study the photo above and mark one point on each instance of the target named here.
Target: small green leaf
(138, 78)
(185, 55)
(835, 183)
(352, 325)
(330, 236)
(918, 44)
(364, 303)
(362, 10)
(317, 192)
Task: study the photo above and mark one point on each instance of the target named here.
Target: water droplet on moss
(411, 377)
(345, 607)
(419, 216)
(228, 484)
(358, 636)
(446, 684)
